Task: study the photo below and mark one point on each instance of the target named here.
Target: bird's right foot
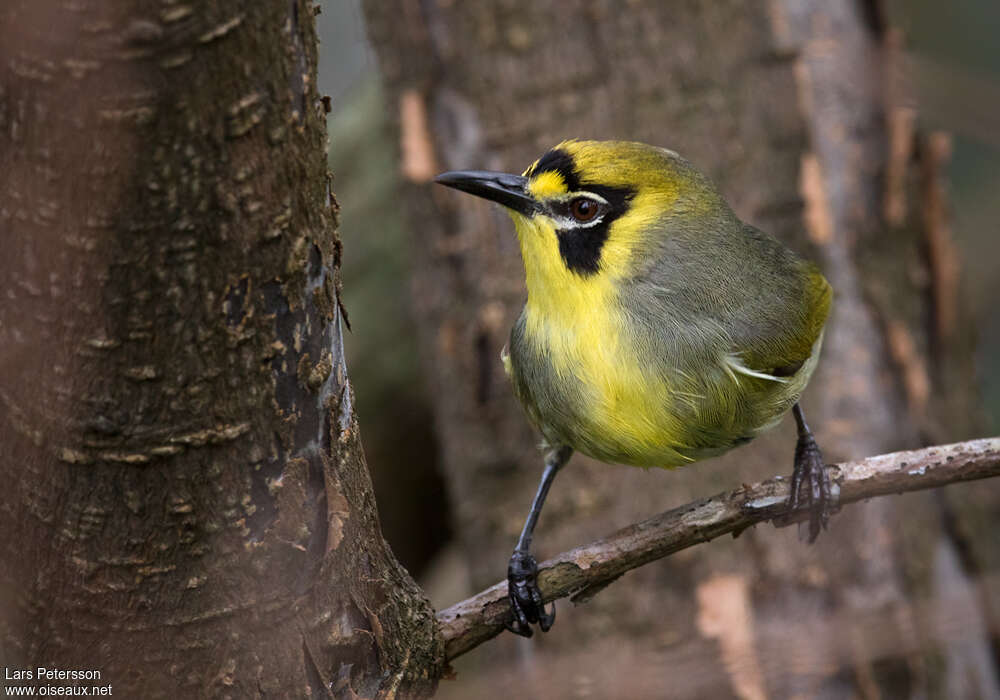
(526, 602)
(810, 472)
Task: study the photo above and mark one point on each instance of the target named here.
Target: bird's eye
(584, 209)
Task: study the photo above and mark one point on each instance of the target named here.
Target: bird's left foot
(811, 473)
(525, 598)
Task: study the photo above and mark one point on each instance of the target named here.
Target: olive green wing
(774, 306)
(782, 340)
(732, 291)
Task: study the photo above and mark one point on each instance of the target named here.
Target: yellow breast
(624, 407)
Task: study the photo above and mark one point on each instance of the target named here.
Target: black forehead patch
(558, 161)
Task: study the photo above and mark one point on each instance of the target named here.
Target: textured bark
(186, 507)
(787, 106)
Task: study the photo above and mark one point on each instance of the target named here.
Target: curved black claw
(809, 468)
(525, 598)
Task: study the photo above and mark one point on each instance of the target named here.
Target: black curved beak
(508, 190)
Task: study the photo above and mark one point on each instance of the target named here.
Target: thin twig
(585, 570)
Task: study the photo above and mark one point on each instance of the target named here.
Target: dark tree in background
(793, 108)
(185, 504)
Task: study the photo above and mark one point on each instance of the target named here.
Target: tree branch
(582, 572)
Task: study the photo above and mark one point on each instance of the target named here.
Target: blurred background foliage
(956, 72)
(382, 353)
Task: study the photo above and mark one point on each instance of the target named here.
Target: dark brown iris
(583, 209)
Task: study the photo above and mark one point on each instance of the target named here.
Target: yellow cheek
(546, 184)
(618, 256)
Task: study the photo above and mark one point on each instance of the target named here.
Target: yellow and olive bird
(659, 329)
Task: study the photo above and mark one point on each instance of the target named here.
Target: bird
(659, 329)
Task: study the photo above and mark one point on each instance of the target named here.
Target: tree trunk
(186, 508)
(789, 107)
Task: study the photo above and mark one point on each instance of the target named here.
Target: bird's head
(589, 209)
